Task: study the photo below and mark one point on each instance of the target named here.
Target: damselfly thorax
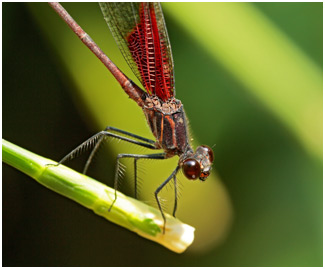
(168, 123)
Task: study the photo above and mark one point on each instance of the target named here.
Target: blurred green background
(250, 78)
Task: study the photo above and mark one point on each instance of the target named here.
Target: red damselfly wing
(140, 32)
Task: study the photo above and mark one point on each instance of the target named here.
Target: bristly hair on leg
(120, 174)
(180, 188)
(140, 167)
(92, 155)
(89, 143)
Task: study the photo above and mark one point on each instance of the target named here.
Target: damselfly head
(199, 164)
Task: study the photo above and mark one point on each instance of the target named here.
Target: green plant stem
(126, 212)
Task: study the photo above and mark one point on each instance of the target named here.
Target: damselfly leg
(109, 129)
(173, 175)
(98, 138)
(95, 142)
(136, 157)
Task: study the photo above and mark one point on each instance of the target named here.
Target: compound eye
(191, 168)
(209, 151)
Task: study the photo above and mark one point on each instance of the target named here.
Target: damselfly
(140, 32)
